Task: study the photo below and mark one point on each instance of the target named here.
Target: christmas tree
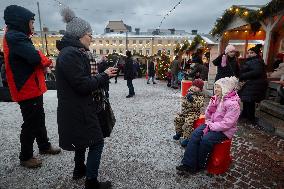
(163, 65)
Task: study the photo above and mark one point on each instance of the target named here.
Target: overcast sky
(144, 14)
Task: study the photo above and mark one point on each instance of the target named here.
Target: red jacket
(24, 66)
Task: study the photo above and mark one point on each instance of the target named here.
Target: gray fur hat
(76, 27)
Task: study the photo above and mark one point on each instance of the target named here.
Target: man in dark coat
(253, 74)
(78, 122)
(25, 76)
(174, 70)
(151, 72)
(129, 74)
(227, 64)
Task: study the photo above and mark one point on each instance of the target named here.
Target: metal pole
(41, 35)
(126, 46)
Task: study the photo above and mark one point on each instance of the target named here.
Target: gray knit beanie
(76, 27)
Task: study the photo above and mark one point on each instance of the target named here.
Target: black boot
(79, 171)
(95, 184)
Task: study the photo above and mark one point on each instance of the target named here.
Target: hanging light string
(164, 18)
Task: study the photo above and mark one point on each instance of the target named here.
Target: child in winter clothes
(221, 123)
(191, 105)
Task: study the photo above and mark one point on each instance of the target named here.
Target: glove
(206, 130)
(189, 97)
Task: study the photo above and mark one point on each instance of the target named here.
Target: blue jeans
(130, 87)
(93, 159)
(200, 147)
(153, 79)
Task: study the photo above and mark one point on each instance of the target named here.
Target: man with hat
(25, 76)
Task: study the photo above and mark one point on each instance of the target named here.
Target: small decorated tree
(163, 65)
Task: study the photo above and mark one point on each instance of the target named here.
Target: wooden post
(269, 26)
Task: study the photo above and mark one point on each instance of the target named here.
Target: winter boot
(95, 184)
(177, 136)
(31, 163)
(79, 171)
(184, 142)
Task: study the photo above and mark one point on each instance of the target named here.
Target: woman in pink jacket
(221, 118)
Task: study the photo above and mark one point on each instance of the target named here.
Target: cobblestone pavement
(140, 152)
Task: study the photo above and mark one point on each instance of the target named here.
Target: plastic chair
(185, 85)
(220, 158)
(199, 121)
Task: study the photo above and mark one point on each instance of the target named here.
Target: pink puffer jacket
(222, 115)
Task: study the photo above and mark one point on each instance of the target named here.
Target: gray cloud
(144, 14)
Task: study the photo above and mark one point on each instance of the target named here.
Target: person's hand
(111, 71)
(189, 97)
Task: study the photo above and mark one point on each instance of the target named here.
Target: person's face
(31, 26)
(231, 53)
(195, 89)
(86, 40)
(218, 90)
(251, 54)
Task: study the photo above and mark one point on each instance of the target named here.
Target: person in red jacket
(25, 76)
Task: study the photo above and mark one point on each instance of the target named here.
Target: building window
(159, 52)
(140, 42)
(113, 41)
(100, 41)
(160, 41)
(169, 41)
(134, 41)
(114, 51)
(107, 41)
(120, 41)
(148, 42)
(147, 51)
(176, 41)
(120, 50)
(169, 52)
(140, 52)
(134, 51)
(107, 51)
(101, 51)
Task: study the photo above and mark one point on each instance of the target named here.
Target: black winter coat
(151, 69)
(231, 69)
(253, 73)
(78, 124)
(129, 69)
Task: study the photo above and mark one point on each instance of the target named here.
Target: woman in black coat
(253, 74)
(78, 124)
(227, 64)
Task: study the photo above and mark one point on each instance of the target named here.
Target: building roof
(116, 25)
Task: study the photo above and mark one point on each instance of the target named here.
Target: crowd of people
(82, 84)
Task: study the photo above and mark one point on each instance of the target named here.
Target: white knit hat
(228, 84)
(230, 48)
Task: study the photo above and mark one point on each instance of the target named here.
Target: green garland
(190, 46)
(253, 17)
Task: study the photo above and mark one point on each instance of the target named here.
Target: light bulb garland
(168, 14)
(253, 17)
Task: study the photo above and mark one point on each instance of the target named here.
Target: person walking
(78, 105)
(151, 72)
(129, 74)
(174, 70)
(25, 76)
(227, 64)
